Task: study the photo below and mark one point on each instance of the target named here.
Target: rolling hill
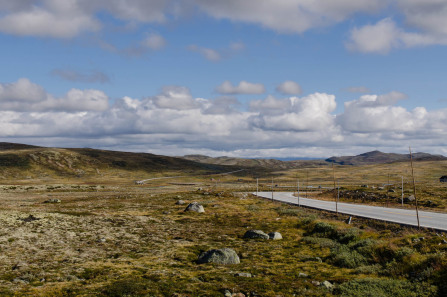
(377, 157)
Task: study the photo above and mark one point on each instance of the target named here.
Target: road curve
(427, 219)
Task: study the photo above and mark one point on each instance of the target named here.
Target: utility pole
(402, 190)
(307, 181)
(335, 193)
(257, 186)
(414, 189)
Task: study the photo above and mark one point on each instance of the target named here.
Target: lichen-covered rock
(275, 235)
(219, 256)
(255, 234)
(195, 206)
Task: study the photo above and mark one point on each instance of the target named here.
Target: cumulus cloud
(76, 76)
(59, 19)
(243, 87)
(290, 16)
(289, 88)
(154, 42)
(308, 113)
(175, 97)
(175, 122)
(23, 95)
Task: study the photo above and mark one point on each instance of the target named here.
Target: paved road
(402, 216)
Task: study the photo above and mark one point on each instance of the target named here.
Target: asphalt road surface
(402, 216)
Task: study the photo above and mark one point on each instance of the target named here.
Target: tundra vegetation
(74, 223)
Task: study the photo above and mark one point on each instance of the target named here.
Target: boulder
(327, 285)
(410, 198)
(275, 235)
(253, 234)
(52, 200)
(195, 206)
(219, 256)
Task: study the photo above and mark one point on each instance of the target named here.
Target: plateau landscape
(223, 148)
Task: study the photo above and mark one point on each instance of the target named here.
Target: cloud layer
(174, 122)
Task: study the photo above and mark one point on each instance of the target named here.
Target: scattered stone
(195, 206)
(364, 186)
(253, 234)
(275, 235)
(52, 200)
(302, 274)
(380, 188)
(219, 256)
(19, 266)
(409, 199)
(238, 295)
(166, 212)
(30, 218)
(327, 285)
(313, 259)
(227, 293)
(444, 241)
(243, 274)
(101, 240)
(315, 283)
(180, 202)
(391, 191)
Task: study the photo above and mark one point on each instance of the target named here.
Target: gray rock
(219, 256)
(52, 200)
(227, 293)
(195, 206)
(275, 235)
(180, 202)
(315, 283)
(253, 234)
(409, 198)
(243, 274)
(301, 274)
(327, 285)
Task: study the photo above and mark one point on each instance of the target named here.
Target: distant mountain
(273, 164)
(15, 146)
(377, 157)
(26, 160)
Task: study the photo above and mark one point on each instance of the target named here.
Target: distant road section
(402, 216)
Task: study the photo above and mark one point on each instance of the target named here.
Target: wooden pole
(257, 186)
(335, 190)
(402, 190)
(414, 188)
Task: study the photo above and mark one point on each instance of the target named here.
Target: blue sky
(254, 78)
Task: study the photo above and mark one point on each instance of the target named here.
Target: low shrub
(343, 256)
(370, 287)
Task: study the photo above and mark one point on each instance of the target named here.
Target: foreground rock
(255, 234)
(52, 200)
(195, 206)
(275, 235)
(219, 256)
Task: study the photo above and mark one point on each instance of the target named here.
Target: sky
(252, 78)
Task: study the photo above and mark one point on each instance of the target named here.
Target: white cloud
(174, 122)
(290, 16)
(154, 42)
(289, 88)
(24, 95)
(59, 19)
(207, 53)
(243, 87)
(174, 97)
